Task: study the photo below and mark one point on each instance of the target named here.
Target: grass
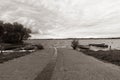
(112, 56)
(4, 58)
(25, 46)
(10, 56)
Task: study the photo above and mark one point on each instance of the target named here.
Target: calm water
(115, 43)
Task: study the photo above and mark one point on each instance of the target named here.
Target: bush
(39, 46)
(29, 47)
(74, 44)
(33, 47)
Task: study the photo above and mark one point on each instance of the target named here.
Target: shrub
(29, 47)
(33, 47)
(39, 46)
(74, 44)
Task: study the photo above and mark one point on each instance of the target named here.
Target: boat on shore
(103, 45)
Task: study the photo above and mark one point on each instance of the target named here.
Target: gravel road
(26, 67)
(73, 65)
(58, 64)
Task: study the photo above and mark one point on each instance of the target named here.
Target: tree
(1, 30)
(24, 33)
(14, 33)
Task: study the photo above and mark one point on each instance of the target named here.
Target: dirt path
(73, 65)
(26, 67)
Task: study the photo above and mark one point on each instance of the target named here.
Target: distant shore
(74, 38)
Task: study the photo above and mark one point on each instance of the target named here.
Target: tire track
(47, 72)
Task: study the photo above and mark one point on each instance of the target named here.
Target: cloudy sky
(64, 18)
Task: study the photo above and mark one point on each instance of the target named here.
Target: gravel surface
(73, 65)
(27, 67)
(47, 72)
(62, 64)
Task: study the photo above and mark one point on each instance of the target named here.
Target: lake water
(114, 43)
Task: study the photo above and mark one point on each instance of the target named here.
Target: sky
(64, 18)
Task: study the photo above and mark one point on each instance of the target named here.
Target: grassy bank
(112, 56)
(16, 48)
(10, 56)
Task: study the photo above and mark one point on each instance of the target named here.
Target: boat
(103, 45)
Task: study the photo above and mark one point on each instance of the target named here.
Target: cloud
(64, 18)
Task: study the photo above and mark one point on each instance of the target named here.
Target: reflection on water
(114, 43)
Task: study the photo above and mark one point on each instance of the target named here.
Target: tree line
(13, 32)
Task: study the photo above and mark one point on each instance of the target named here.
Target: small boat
(99, 45)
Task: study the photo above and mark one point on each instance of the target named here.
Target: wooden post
(110, 48)
(1, 49)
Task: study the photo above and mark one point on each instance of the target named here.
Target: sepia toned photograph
(59, 39)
